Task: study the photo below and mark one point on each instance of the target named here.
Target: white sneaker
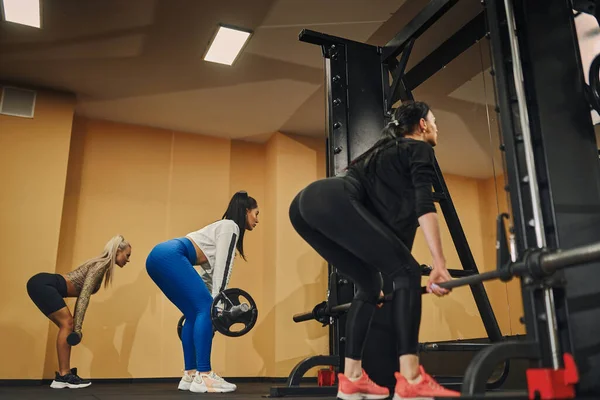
(198, 385)
(185, 382)
(215, 384)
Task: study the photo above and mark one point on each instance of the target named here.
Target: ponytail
(404, 122)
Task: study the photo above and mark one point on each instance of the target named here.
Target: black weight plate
(224, 303)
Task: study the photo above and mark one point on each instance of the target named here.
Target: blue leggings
(170, 265)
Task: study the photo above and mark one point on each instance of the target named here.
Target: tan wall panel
(34, 154)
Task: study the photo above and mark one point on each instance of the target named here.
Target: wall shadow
(454, 316)
(303, 299)
(103, 334)
(68, 227)
(13, 336)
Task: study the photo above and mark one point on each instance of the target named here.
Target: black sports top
(397, 184)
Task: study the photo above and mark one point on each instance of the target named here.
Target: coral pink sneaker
(363, 388)
(427, 389)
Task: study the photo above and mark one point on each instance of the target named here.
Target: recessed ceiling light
(24, 12)
(227, 45)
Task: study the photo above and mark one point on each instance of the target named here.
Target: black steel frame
(466, 257)
(569, 204)
(588, 7)
(360, 106)
(556, 122)
(359, 99)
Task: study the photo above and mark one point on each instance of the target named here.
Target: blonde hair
(106, 260)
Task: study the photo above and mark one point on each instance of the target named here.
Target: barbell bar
(536, 262)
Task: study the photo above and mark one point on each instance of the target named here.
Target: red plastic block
(553, 384)
(326, 377)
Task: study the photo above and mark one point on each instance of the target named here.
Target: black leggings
(330, 216)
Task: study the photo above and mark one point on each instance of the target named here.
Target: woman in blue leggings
(171, 267)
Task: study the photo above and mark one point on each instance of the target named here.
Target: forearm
(80, 308)
(83, 300)
(431, 230)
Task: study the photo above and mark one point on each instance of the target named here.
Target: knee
(190, 319)
(368, 294)
(370, 289)
(66, 323)
(201, 308)
(206, 300)
(407, 281)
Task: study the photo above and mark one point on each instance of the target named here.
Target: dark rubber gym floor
(117, 391)
(162, 391)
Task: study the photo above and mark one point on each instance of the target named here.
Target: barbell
(230, 308)
(537, 263)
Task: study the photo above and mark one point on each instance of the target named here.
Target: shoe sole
(220, 390)
(63, 385)
(361, 396)
(196, 389)
(211, 390)
(184, 386)
(398, 397)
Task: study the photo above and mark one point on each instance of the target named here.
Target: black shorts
(47, 291)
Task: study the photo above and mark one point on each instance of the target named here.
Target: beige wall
(247, 172)
(300, 274)
(149, 185)
(266, 328)
(33, 171)
(152, 185)
(294, 277)
(456, 316)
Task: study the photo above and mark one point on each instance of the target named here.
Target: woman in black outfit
(364, 223)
